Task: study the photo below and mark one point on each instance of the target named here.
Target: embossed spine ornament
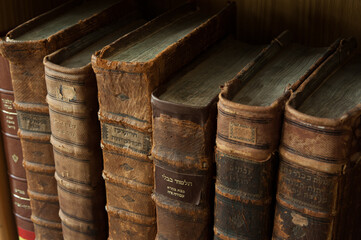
(14, 155)
(125, 114)
(246, 152)
(25, 47)
(318, 192)
(75, 138)
(73, 107)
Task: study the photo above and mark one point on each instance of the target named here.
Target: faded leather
(27, 71)
(75, 138)
(183, 150)
(318, 194)
(126, 119)
(246, 154)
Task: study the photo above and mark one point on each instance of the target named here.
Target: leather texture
(184, 165)
(13, 152)
(246, 153)
(28, 78)
(126, 119)
(317, 193)
(183, 142)
(73, 106)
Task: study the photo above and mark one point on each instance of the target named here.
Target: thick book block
(318, 192)
(250, 111)
(14, 155)
(184, 120)
(73, 106)
(127, 72)
(25, 47)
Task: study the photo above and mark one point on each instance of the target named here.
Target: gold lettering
(19, 191)
(166, 178)
(183, 182)
(22, 205)
(7, 103)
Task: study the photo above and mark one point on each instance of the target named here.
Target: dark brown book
(13, 155)
(250, 111)
(25, 47)
(184, 121)
(127, 72)
(73, 107)
(318, 191)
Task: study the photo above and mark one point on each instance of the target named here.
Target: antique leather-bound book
(25, 47)
(7, 222)
(249, 124)
(318, 190)
(184, 121)
(14, 156)
(127, 71)
(73, 106)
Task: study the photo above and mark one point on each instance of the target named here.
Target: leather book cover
(250, 111)
(14, 156)
(25, 47)
(318, 193)
(184, 122)
(127, 72)
(73, 107)
(7, 223)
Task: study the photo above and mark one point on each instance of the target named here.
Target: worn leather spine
(27, 72)
(318, 196)
(183, 141)
(14, 156)
(246, 154)
(7, 221)
(75, 138)
(73, 107)
(126, 119)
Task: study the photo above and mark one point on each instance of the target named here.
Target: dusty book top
(79, 53)
(338, 95)
(270, 83)
(151, 45)
(58, 19)
(199, 83)
(157, 35)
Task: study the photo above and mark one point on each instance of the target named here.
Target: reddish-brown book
(13, 155)
(7, 221)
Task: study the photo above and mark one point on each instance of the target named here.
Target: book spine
(13, 154)
(311, 179)
(73, 106)
(128, 181)
(7, 222)
(246, 161)
(319, 166)
(27, 72)
(183, 142)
